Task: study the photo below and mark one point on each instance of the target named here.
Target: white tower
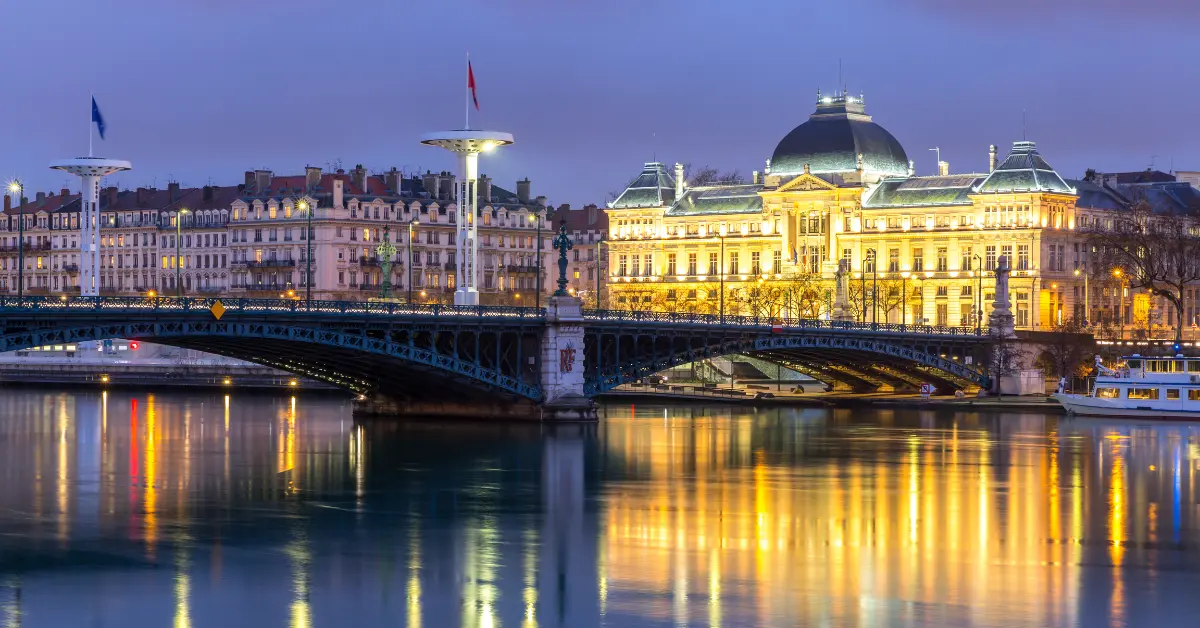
(467, 144)
(90, 170)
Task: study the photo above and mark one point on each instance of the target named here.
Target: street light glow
(14, 187)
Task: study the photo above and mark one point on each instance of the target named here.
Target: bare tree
(1004, 358)
(761, 301)
(806, 294)
(707, 175)
(1068, 349)
(1158, 252)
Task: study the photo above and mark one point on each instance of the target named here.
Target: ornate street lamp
(18, 188)
(412, 223)
(178, 257)
(304, 206)
(534, 217)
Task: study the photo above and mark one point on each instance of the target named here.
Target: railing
(267, 263)
(730, 320)
(363, 260)
(234, 305)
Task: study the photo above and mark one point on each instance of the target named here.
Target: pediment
(806, 183)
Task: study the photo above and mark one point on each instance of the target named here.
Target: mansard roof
(652, 188)
(722, 199)
(937, 191)
(1024, 170)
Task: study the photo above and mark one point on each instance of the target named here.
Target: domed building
(840, 189)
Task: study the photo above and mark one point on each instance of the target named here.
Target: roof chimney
(208, 193)
(358, 177)
(541, 200)
(393, 180)
(65, 192)
(523, 190)
(679, 182)
(754, 177)
(7, 202)
(41, 198)
(446, 190)
(312, 178)
(485, 188)
(262, 181)
(173, 188)
(143, 195)
(431, 182)
(111, 192)
(338, 192)
(991, 157)
(943, 168)
(250, 180)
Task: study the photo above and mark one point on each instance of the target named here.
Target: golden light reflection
(62, 481)
(529, 593)
(1117, 505)
(300, 558)
(150, 476)
(183, 593)
(413, 588)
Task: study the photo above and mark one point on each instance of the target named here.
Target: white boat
(1159, 387)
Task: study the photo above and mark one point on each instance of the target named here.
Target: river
(135, 510)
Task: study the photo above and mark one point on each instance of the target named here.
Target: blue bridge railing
(257, 306)
(729, 320)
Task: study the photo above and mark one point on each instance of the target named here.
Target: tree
(806, 294)
(707, 175)
(761, 300)
(1158, 252)
(1068, 350)
(1004, 359)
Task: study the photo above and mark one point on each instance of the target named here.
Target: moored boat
(1158, 387)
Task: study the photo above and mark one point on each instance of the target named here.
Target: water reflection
(200, 510)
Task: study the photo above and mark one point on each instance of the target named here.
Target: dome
(833, 138)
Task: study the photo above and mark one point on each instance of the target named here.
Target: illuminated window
(164, 261)
(1142, 393)
(1194, 394)
(577, 274)
(1172, 393)
(366, 235)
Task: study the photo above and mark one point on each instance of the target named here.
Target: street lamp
(599, 257)
(305, 207)
(721, 234)
(874, 285)
(1118, 273)
(412, 223)
(979, 290)
(904, 297)
(178, 257)
(18, 188)
(1087, 307)
(534, 217)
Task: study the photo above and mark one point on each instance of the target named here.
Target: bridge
(515, 358)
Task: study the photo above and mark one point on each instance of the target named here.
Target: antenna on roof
(938, 150)
(1024, 124)
(840, 75)
(654, 146)
(1152, 158)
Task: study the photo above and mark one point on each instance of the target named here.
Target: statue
(841, 302)
(563, 243)
(1000, 322)
(385, 252)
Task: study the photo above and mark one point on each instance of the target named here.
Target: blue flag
(97, 118)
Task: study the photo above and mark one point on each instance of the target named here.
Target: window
(943, 315)
(691, 264)
(989, 258)
(942, 264)
(967, 260)
(712, 264)
(918, 259)
(637, 266)
(1142, 393)
(622, 265)
(755, 263)
(869, 261)
(1022, 257)
(1194, 394)
(1111, 393)
(647, 264)
(942, 291)
(670, 263)
(733, 263)
(893, 260)
(1172, 393)
(1007, 252)
(777, 262)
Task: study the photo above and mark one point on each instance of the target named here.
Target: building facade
(838, 188)
(253, 239)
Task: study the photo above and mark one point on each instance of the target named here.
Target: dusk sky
(201, 90)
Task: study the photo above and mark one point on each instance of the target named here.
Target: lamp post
(1087, 306)
(178, 257)
(875, 289)
(385, 252)
(721, 235)
(304, 206)
(18, 188)
(979, 295)
(1117, 272)
(599, 257)
(412, 223)
(904, 297)
(536, 217)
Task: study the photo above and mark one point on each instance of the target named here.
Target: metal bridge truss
(455, 359)
(856, 360)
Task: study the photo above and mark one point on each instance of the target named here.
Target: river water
(135, 510)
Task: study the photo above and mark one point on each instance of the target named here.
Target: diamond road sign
(217, 310)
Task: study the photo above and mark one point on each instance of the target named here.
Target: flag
(470, 86)
(795, 255)
(97, 118)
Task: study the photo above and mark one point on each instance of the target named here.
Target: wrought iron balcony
(71, 268)
(268, 263)
(364, 260)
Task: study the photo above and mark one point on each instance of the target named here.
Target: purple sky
(201, 90)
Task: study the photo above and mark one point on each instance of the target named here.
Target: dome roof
(833, 138)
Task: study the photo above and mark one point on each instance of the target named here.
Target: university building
(920, 249)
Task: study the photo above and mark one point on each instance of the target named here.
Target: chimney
(262, 181)
(754, 177)
(7, 202)
(143, 195)
(541, 200)
(312, 178)
(523, 190)
(991, 157)
(679, 182)
(431, 182)
(943, 168)
(485, 189)
(250, 180)
(65, 192)
(111, 193)
(446, 190)
(173, 188)
(358, 177)
(41, 198)
(393, 180)
(338, 191)
(208, 193)
(591, 214)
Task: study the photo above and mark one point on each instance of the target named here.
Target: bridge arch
(838, 358)
(355, 361)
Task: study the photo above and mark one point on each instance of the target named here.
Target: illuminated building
(839, 186)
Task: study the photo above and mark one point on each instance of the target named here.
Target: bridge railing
(787, 323)
(257, 306)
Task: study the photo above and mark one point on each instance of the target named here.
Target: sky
(199, 91)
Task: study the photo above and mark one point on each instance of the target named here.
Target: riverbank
(777, 399)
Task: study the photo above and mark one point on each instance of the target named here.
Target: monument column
(562, 349)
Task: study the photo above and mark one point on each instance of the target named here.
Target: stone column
(562, 363)
(1011, 360)
(841, 300)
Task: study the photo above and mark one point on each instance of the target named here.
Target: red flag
(471, 85)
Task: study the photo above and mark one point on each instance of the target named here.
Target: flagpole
(93, 99)
(468, 95)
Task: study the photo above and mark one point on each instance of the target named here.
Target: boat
(1155, 387)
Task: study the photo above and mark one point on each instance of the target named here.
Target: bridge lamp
(104, 378)
(178, 257)
(227, 381)
(293, 383)
(152, 294)
(16, 187)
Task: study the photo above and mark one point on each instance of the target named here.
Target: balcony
(363, 260)
(522, 268)
(266, 263)
(70, 268)
(450, 266)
